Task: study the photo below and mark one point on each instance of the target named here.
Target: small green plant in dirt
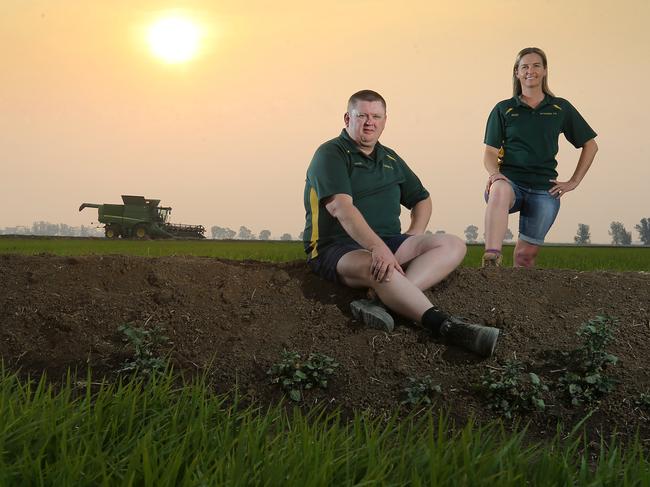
(294, 374)
(510, 390)
(420, 390)
(146, 344)
(586, 381)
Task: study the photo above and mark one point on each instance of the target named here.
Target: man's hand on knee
(383, 263)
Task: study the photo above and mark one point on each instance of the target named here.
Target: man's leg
(428, 259)
(404, 297)
(525, 254)
(399, 294)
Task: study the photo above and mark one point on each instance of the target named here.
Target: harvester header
(141, 218)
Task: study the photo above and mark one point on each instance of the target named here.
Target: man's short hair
(365, 95)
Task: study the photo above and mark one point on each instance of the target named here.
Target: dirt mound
(236, 318)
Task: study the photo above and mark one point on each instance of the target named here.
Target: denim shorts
(537, 211)
(325, 264)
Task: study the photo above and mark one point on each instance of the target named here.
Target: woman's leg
(499, 201)
(538, 212)
(525, 254)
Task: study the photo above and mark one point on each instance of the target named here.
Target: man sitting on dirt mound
(353, 192)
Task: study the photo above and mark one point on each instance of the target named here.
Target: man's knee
(353, 268)
(459, 246)
(449, 248)
(454, 246)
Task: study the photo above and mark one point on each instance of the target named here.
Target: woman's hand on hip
(559, 187)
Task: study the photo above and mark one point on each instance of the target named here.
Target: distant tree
(18, 230)
(285, 236)
(91, 231)
(644, 230)
(66, 230)
(471, 233)
(245, 233)
(508, 236)
(221, 233)
(428, 232)
(619, 235)
(39, 228)
(218, 232)
(301, 235)
(265, 234)
(440, 232)
(583, 237)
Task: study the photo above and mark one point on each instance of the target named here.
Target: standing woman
(521, 142)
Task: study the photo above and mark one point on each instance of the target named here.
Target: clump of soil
(235, 318)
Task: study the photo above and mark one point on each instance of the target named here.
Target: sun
(174, 39)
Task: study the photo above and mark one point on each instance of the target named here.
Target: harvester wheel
(112, 232)
(140, 232)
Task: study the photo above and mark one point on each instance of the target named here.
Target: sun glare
(174, 39)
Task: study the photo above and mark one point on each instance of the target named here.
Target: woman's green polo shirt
(528, 138)
(378, 186)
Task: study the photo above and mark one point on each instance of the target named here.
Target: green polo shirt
(378, 186)
(528, 137)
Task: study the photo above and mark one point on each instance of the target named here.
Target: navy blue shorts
(325, 264)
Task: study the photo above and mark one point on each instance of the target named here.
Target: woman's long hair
(516, 84)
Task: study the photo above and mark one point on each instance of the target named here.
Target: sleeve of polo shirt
(575, 128)
(412, 190)
(328, 172)
(494, 135)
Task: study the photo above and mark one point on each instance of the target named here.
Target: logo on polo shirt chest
(510, 111)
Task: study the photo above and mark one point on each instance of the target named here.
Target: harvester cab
(141, 218)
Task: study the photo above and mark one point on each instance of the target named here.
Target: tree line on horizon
(53, 230)
(245, 233)
(617, 231)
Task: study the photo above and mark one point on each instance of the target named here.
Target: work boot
(476, 338)
(373, 314)
(491, 259)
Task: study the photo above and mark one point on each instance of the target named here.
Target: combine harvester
(141, 218)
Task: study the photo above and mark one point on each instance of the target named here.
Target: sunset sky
(88, 112)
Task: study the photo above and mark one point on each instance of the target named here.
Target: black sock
(432, 319)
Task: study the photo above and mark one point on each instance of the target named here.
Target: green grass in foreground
(556, 257)
(161, 434)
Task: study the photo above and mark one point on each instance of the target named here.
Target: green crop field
(162, 434)
(554, 256)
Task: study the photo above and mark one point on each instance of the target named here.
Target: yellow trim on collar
(313, 203)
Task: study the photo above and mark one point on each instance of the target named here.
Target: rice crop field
(162, 433)
(586, 258)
